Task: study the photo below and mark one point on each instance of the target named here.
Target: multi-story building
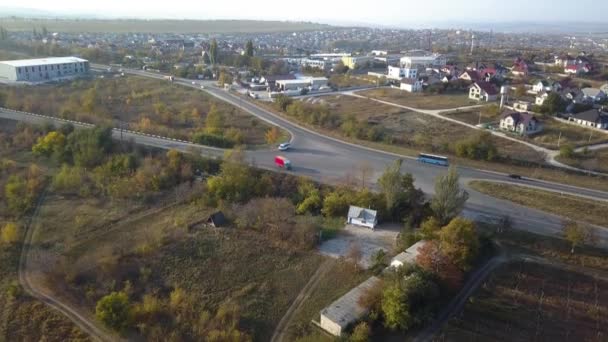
(43, 69)
(397, 73)
(423, 62)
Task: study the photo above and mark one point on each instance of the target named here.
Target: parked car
(284, 146)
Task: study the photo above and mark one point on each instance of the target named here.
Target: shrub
(10, 233)
(113, 311)
(212, 140)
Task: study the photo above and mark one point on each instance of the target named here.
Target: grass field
(420, 100)
(570, 134)
(341, 278)
(157, 26)
(418, 131)
(346, 81)
(472, 116)
(23, 318)
(593, 160)
(568, 206)
(147, 105)
(530, 302)
(214, 266)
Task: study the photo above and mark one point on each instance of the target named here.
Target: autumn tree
(429, 229)
(235, 182)
(577, 234)
(10, 233)
(361, 333)
(52, 143)
(213, 52)
(214, 122)
(364, 173)
(272, 135)
(449, 198)
(433, 260)
(309, 197)
(224, 78)
(459, 242)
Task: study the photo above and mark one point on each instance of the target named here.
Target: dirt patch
(369, 241)
(420, 100)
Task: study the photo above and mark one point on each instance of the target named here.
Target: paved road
(329, 160)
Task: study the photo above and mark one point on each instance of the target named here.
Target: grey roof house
(362, 217)
(594, 118)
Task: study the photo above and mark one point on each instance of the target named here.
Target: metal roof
(347, 309)
(42, 61)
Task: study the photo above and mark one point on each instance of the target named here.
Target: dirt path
(280, 330)
(81, 319)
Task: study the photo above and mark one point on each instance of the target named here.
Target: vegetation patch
(421, 100)
(568, 206)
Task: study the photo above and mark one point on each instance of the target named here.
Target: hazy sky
(388, 12)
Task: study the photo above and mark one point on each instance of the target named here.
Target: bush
(113, 311)
(480, 147)
(567, 151)
(212, 140)
(10, 233)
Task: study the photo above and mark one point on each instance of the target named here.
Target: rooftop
(347, 309)
(42, 61)
(410, 254)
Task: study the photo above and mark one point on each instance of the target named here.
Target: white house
(594, 118)
(541, 98)
(543, 86)
(346, 310)
(483, 91)
(423, 62)
(411, 85)
(398, 73)
(520, 123)
(362, 217)
(409, 256)
(522, 106)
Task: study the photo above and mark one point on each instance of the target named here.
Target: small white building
(43, 69)
(346, 310)
(409, 256)
(423, 62)
(410, 85)
(362, 217)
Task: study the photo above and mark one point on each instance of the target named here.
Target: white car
(193, 83)
(284, 146)
(202, 87)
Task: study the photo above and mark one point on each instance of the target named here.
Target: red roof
(572, 67)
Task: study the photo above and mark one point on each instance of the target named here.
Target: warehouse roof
(347, 309)
(42, 61)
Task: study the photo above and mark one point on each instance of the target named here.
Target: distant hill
(157, 26)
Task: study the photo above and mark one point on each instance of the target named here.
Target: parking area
(367, 240)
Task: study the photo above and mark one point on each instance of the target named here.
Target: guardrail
(114, 129)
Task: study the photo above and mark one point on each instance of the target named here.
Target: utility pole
(559, 138)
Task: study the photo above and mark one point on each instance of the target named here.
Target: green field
(158, 26)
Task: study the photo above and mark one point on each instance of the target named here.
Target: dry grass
(593, 160)
(526, 302)
(346, 81)
(133, 100)
(420, 100)
(572, 207)
(570, 134)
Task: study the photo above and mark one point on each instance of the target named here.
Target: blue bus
(433, 159)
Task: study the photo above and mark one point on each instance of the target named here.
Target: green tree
(335, 204)
(430, 228)
(459, 242)
(235, 182)
(249, 49)
(10, 233)
(567, 151)
(449, 198)
(282, 102)
(18, 199)
(310, 200)
(553, 104)
(88, 147)
(113, 311)
(400, 194)
(213, 52)
(394, 307)
(361, 333)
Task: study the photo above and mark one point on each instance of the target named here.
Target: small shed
(362, 217)
(409, 256)
(216, 220)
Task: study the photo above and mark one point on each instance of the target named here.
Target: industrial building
(43, 69)
(346, 310)
(421, 62)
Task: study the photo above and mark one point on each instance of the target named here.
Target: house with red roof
(469, 75)
(483, 91)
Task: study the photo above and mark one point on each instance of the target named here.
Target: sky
(401, 13)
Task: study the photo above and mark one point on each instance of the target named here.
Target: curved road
(328, 160)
